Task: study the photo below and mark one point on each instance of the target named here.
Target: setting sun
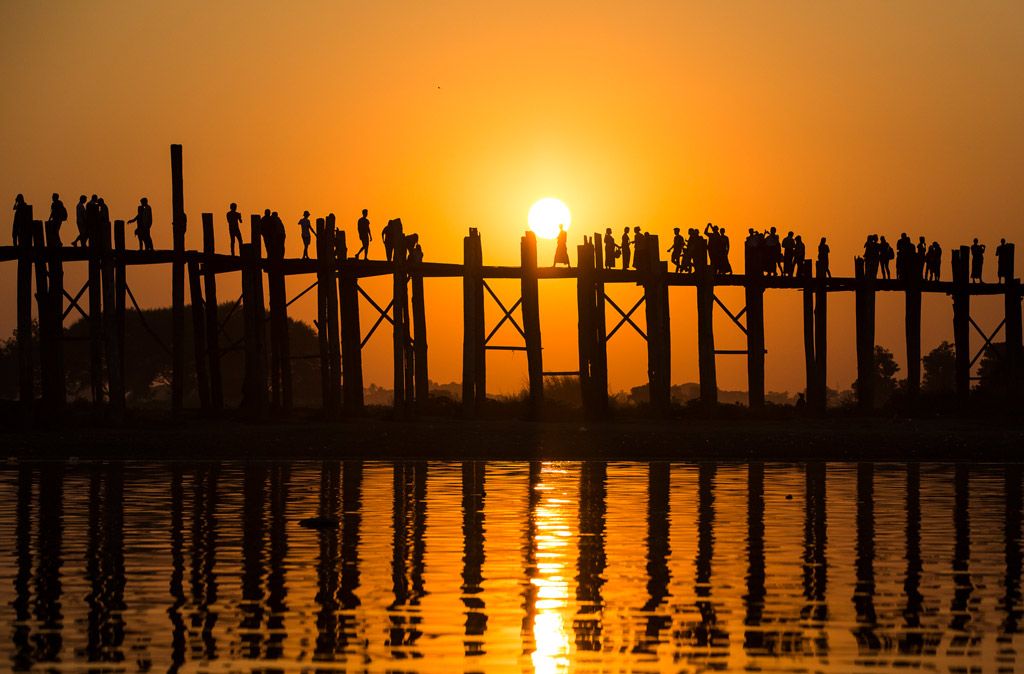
(546, 215)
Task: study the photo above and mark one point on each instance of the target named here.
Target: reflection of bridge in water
(341, 337)
(599, 564)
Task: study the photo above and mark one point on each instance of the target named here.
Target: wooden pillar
(95, 321)
(322, 279)
(177, 282)
(865, 329)
(659, 355)
(112, 347)
(474, 356)
(255, 396)
(199, 335)
(531, 320)
(44, 321)
(333, 332)
(1012, 309)
(26, 376)
(820, 400)
(912, 326)
(212, 317)
(753, 288)
(810, 362)
(961, 320)
(706, 334)
(586, 330)
(419, 338)
(599, 363)
(120, 289)
(280, 353)
(55, 303)
(351, 351)
(400, 324)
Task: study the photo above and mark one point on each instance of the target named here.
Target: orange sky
(828, 118)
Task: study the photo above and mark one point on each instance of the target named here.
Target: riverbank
(838, 439)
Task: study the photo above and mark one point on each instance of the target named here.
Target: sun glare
(546, 215)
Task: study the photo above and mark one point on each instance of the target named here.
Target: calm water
(512, 566)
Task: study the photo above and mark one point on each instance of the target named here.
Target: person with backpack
(58, 215)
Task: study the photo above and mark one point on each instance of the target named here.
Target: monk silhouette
(977, 260)
(561, 248)
(22, 225)
(611, 251)
(624, 248)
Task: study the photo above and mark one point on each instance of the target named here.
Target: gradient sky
(826, 118)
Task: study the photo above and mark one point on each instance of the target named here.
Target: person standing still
(234, 226)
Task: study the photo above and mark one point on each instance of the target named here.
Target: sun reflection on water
(555, 534)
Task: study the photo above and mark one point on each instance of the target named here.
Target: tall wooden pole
(961, 320)
(351, 351)
(1012, 314)
(659, 355)
(531, 320)
(25, 365)
(810, 362)
(332, 307)
(120, 289)
(706, 334)
(199, 335)
(912, 325)
(55, 303)
(112, 346)
(586, 331)
(177, 282)
(95, 319)
(474, 357)
(255, 395)
(599, 362)
(865, 329)
(400, 325)
(322, 279)
(47, 346)
(754, 292)
(212, 318)
(419, 338)
(820, 399)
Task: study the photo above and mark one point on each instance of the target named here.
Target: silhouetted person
(611, 251)
(561, 248)
(22, 225)
(275, 246)
(58, 215)
(772, 252)
(799, 255)
(752, 251)
(676, 249)
(92, 217)
(143, 224)
(363, 229)
(1002, 262)
(624, 248)
(871, 256)
(788, 246)
(387, 237)
(307, 234)
(885, 254)
(724, 266)
(904, 256)
(638, 247)
(977, 260)
(234, 227)
(415, 249)
(934, 262)
(102, 223)
(823, 251)
(81, 222)
(697, 250)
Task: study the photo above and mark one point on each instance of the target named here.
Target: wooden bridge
(341, 338)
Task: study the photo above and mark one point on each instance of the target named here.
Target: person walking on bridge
(306, 233)
(676, 249)
(58, 215)
(611, 251)
(823, 251)
(143, 224)
(561, 249)
(624, 248)
(234, 226)
(363, 230)
(977, 260)
(81, 222)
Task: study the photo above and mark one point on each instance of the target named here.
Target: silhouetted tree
(940, 370)
(884, 372)
(993, 375)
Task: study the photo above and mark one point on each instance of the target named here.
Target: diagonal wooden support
(625, 318)
(735, 318)
(145, 324)
(380, 319)
(506, 317)
(507, 312)
(382, 312)
(223, 324)
(74, 302)
(988, 339)
(299, 296)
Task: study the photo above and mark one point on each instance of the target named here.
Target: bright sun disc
(546, 215)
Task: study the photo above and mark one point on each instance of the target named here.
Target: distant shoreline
(842, 439)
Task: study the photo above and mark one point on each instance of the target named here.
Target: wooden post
(280, 353)
(586, 331)
(259, 311)
(26, 376)
(120, 289)
(474, 356)
(212, 317)
(95, 320)
(177, 282)
(322, 279)
(112, 347)
(531, 320)
(1012, 309)
(912, 325)
(333, 330)
(659, 356)
(810, 362)
(599, 362)
(400, 326)
(351, 352)
(754, 291)
(820, 400)
(865, 328)
(199, 335)
(419, 338)
(45, 321)
(255, 396)
(706, 334)
(961, 320)
(55, 302)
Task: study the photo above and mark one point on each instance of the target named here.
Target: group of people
(91, 217)
(773, 256)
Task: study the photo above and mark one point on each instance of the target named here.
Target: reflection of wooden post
(754, 291)
(419, 338)
(351, 351)
(25, 366)
(865, 328)
(212, 319)
(599, 363)
(1011, 307)
(961, 320)
(820, 399)
(112, 349)
(912, 325)
(55, 303)
(474, 357)
(177, 282)
(659, 356)
(531, 320)
(706, 334)
(199, 335)
(810, 363)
